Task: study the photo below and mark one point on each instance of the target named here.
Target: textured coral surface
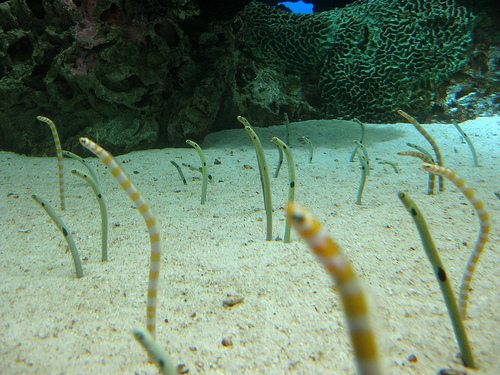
(369, 57)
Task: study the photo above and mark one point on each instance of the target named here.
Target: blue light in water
(298, 7)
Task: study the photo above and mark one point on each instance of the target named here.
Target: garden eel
(432, 142)
(151, 223)
(60, 165)
(351, 294)
(484, 229)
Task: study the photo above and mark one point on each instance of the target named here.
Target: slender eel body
(442, 278)
(392, 164)
(102, 208)
(425, 158)
(291, 179)
(310, 147)
(415, 154)
(264, 176)
(365, 155)
(155, 351)
(469, 143)
(66, 233)
(280, 162)
(151, 223)
(423, 151)
(432, 142)
(60, 165)
(364, 167)
(351, 294)
(69, 154)
(179, 170)
(484, 229)
(204, 174)
(360, 141)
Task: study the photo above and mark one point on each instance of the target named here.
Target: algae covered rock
(107, 69)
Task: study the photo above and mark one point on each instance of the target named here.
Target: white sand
(291, 320)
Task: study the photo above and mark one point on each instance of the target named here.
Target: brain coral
(369, 57)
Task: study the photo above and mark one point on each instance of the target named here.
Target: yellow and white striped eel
(424, 158)
(415, 154)
(60, 158)
(353, 299)
(484, 229)
(151, 223)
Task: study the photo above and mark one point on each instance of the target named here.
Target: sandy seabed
(291, 320)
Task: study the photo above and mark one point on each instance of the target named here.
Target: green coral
(370, 57)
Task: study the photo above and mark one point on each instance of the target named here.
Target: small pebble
(217, 162)
(182, 369)
(450, 371)
(227, 342)
(231, 301)
(412, 358)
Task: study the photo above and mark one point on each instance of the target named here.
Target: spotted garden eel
(60, 165)
(484, 229)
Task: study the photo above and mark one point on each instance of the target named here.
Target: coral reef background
(153, 73)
